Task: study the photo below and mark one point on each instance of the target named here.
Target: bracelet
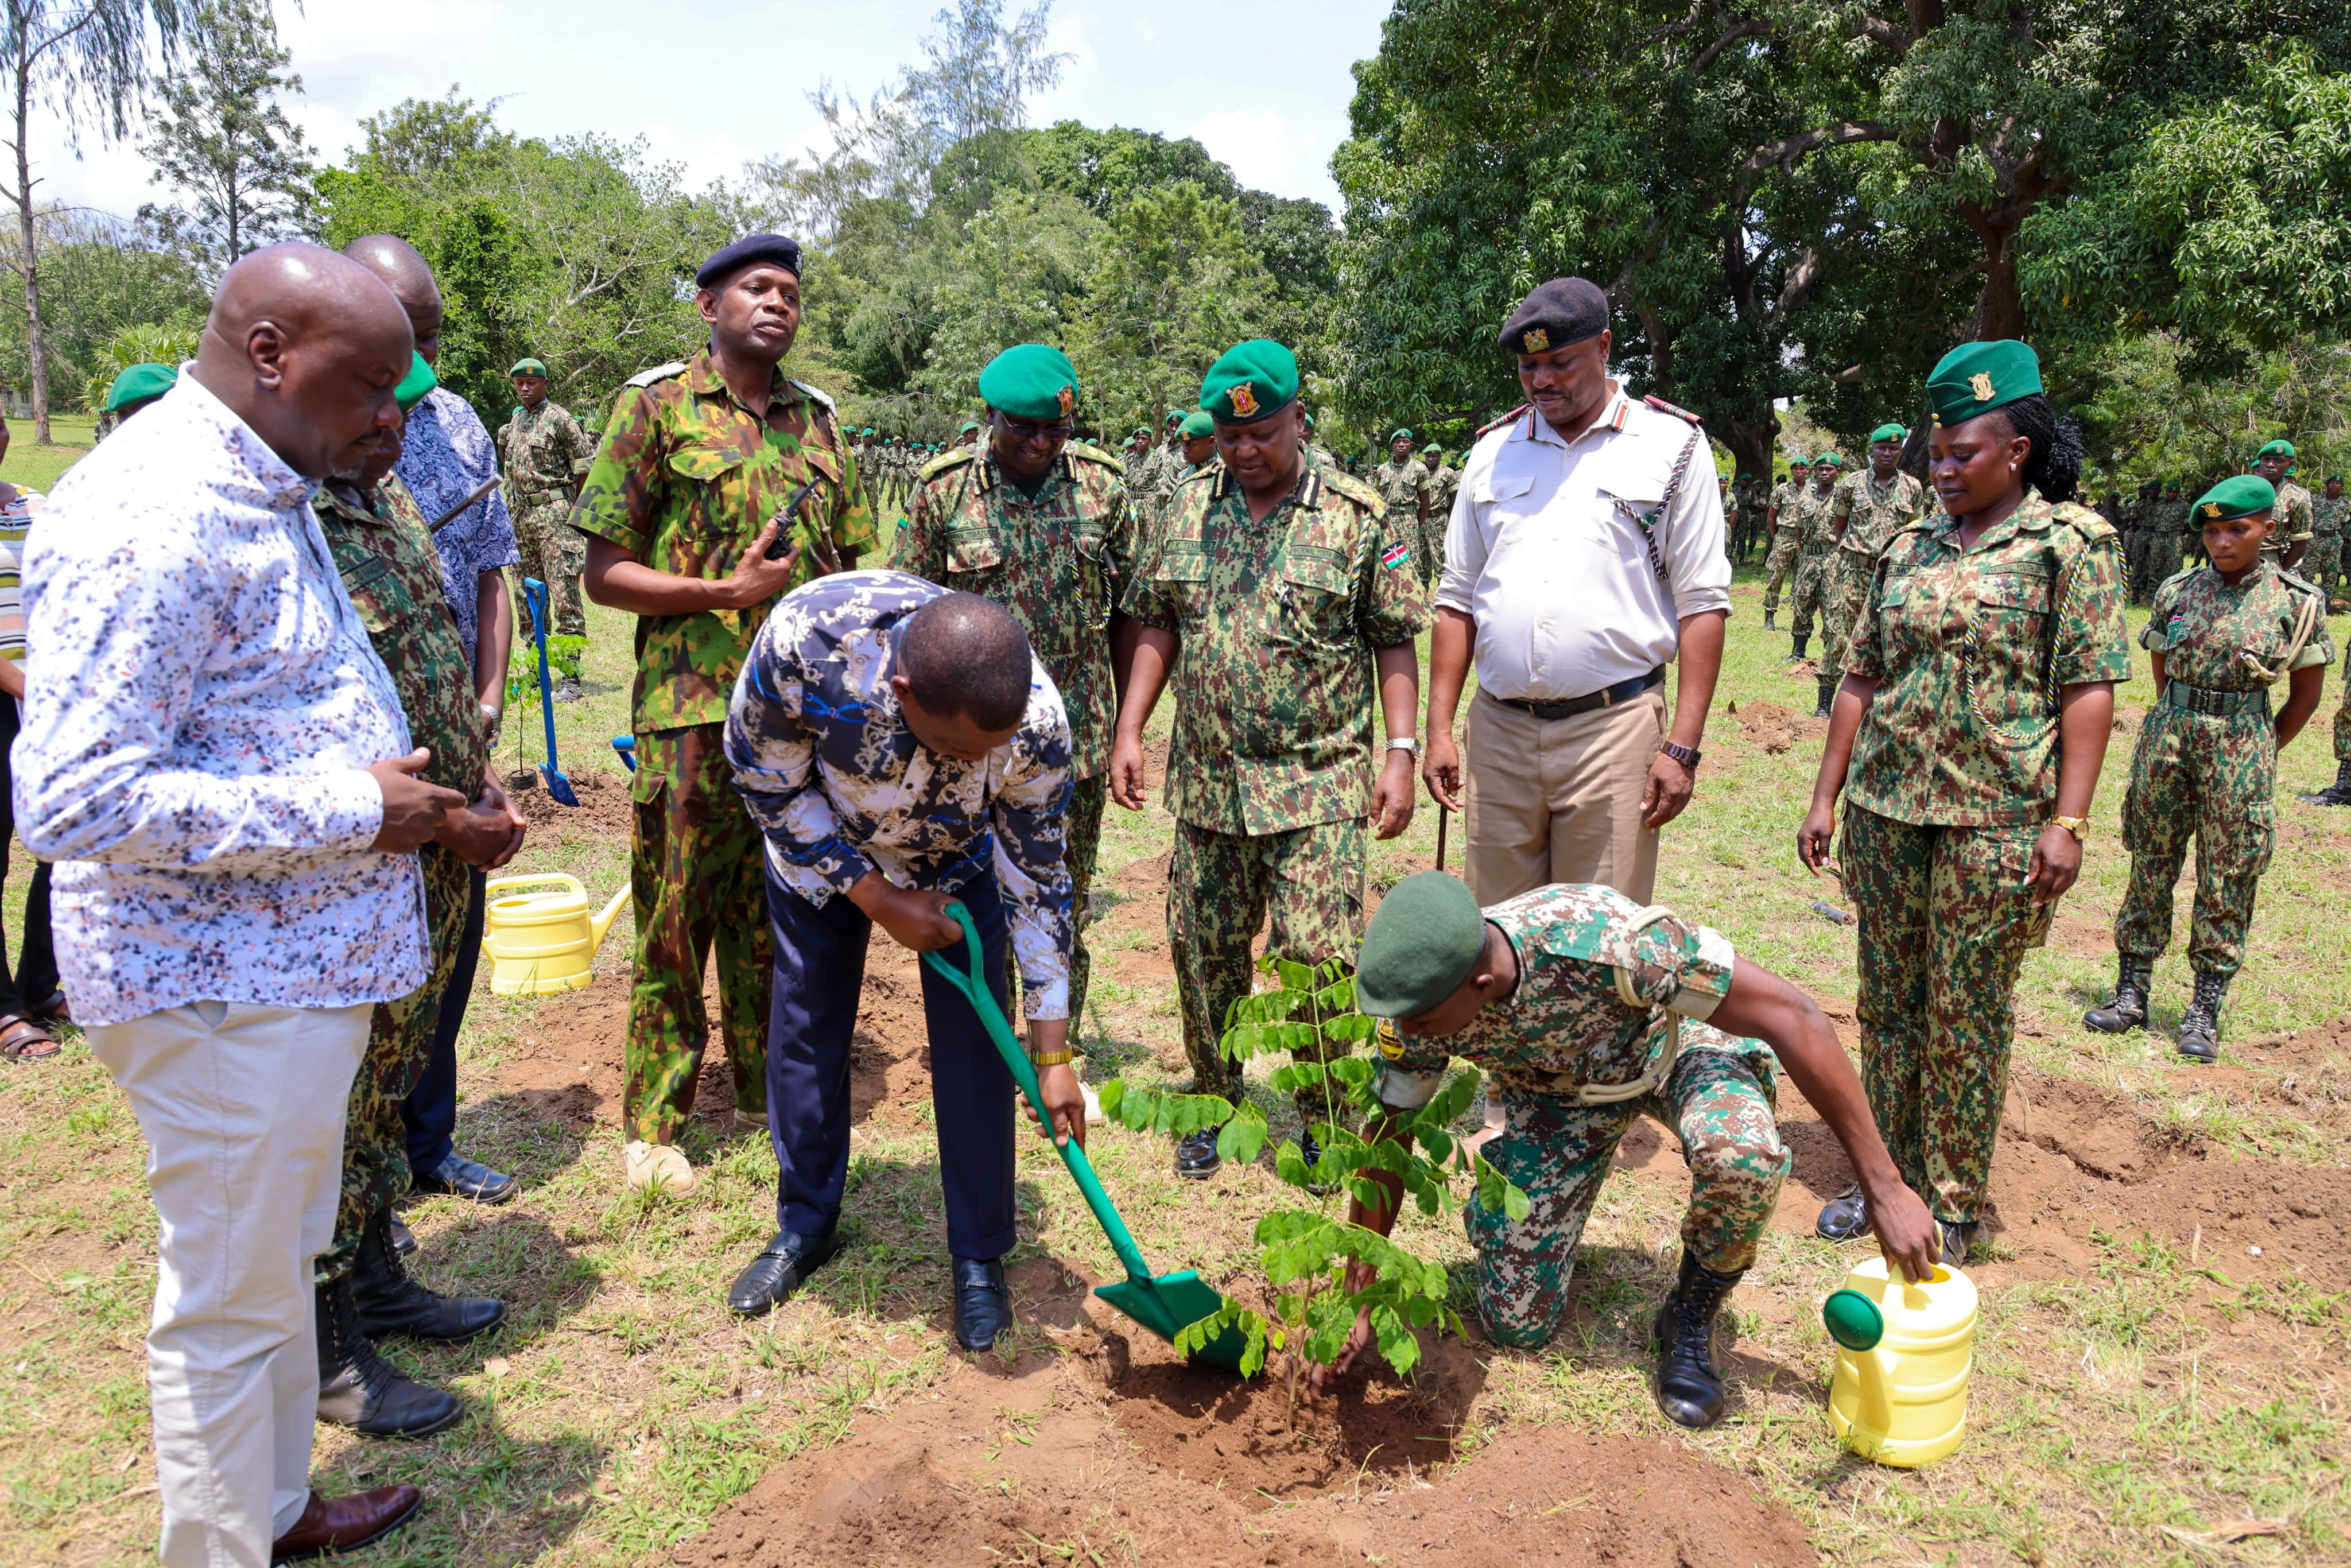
(1404, 743)
(1052, 1059)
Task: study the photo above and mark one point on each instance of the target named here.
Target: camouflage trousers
(2212, 779)
(1082, 853)
(1220, 889)
(1780, 564)
(1432, 546)
(1812, 590)
(1850, 573)
(698, 869)
(1718, 1101)
(400, 1039)
(2322, 565)
(556, 553)
(2136, 582)
(1943, 922)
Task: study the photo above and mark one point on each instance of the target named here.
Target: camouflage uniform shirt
(2205, 629)
(828, 768)
(1056, 561)
(2327, 518)
(544, 449)
(2292, 516)
(1970, 649)
(1812, 513)
(1874, 514)
(684, 480)
(1401, 485)
(1278, 621)
(1566, 1024)
(384, 553)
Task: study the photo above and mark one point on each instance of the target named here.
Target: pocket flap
(2015, 589)
(974, 552)
(1316, 567)
(1505, 487)
(1181, 560)
(704, 464)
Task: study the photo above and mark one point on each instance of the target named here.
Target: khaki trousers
(1560, 801)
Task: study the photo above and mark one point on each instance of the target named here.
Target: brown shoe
(337, 1525)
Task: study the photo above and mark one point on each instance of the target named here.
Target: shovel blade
(1172, 1302)
(558, 787)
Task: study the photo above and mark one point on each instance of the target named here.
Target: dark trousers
(431, 1108)
(33, 977)
(820, 973)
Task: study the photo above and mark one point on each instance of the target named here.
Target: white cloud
(1256, 143)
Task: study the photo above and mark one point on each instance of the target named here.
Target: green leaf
(1338, 996)
(1110, 1095)
(1243, 1135)
(1352, 1027)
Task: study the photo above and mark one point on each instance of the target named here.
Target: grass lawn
(2143, 1392)
(40, 467)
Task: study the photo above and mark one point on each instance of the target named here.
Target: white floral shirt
(202, 697)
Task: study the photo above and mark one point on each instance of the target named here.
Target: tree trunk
(36, 344)
(1751, 445)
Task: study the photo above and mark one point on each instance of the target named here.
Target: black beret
(783, 251)
(1564, 310)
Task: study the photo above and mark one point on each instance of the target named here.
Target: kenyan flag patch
(1395, 555)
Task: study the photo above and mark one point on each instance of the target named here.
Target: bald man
(218, 762)
(446, 456)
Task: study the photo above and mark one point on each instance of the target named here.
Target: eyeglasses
(1024, 430)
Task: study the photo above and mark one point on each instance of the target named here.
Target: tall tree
(86, 61)
(224, 140)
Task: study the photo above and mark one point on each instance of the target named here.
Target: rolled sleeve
(1392, 606)
(2092, 642)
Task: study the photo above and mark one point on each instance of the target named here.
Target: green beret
(971, 424)
(527, 368)
(2243, 496)
(1142, 430)
(1828, 460)
(1174, 416)
(1195, 425)
(1425, 939)
(1432, 450)
(139, 383)
(1401, 435)
(1976, 377)
(1795, 463)
(1888, 432)
(1310, 420)
(1250, 382)
(413, 386)
(2285, 447)
(1034, 380)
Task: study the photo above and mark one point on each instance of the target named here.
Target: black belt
(2204, 700)
(1609, 696)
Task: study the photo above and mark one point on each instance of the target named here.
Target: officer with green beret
(1041, 525)
(1816, 545)
(134, 389)
(544, 454)
(2293, 525)
(1867, 509)
(1966, 741)
(1281, 601)
(1443, 485)
(1588, 1011)
(1196, 440)
(1403, 483)
(2205, 766)
(1786, 535)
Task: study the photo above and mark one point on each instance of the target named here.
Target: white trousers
(243, 1109)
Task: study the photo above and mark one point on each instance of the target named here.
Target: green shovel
(1164, 1303)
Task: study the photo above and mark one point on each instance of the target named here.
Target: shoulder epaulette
(1088, 452)
(1662, 406)
(816, 394)
(2080, 517)
(1485, 431)
(658, 374)
(1352, 488)
(2297, 581)
(947, 462)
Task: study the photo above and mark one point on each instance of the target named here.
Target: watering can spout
(602, 923)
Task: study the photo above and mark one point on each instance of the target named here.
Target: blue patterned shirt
(824, 761)
(447, 453)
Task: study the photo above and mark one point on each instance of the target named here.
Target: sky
(1264, 87)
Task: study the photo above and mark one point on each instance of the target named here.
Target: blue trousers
(431, 1108)
(820, 973)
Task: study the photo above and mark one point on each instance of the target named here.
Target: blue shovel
(1164, 1303)
(535, 593)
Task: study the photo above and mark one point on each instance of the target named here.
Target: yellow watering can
(1900, 1396)
(542, 942)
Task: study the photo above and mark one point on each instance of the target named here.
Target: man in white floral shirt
(218, 763)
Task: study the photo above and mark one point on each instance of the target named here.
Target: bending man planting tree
(1588, 1011)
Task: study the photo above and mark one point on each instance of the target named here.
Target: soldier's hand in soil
(1906, 1230)
(414, 813)
(1441, 771)
(755, 578)
(2056, 861)
(1812, 838)
(1064, 1100)
(1392, 797)
(1359, 1277)
(1667, 791)
(914, 919)
(1126, 772)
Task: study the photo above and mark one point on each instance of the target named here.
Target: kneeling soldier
(1589, 1011)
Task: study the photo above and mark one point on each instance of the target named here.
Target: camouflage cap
(139, 383)
(2240, 495)
(1034, 380)
(1250, 382)
(1977, 378)
(1424, 940)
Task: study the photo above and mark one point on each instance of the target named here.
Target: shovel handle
(534, 593)
(974, 985)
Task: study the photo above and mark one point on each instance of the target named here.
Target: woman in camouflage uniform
(1968, 735)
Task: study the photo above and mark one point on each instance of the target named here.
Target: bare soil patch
(603, 814)
(1769, 726)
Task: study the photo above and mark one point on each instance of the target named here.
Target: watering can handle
(532, 879)
(974, 985)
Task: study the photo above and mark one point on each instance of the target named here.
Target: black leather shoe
(1195, 1153)
(390, 1302)
(460, 1178)
(1309, 1149)
(780, 1269)
(2127, 1011)
(402, 1243)
(1689, 1391)
(1954, 1237)
(983, 1307)
(1844, 1216)
(359, 1389)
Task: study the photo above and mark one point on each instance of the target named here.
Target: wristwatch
(492, 714)
(1689, 756)
(1403, 743)
(2077, 826)
(1052, 1058)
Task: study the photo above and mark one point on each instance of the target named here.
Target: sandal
(52, 1008)
(21, 1039)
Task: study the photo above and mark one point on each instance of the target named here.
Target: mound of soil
(604, 813)
(1769, 726)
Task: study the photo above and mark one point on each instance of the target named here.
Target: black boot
(2127, 1011)
(389, 1302)
(2335, 794)
(1799, 653)
(1844, 1216)
(1195, 1153)
(1689, 1391)
(1828, 686)
(1770, 620)
(359, 1389)
(2199, 1027)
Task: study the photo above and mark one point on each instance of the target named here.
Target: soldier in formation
(1281, 601)
(2136, 528)
(2323, 565)
(545, 453)
(1966, 742)
(1786, 530)
(2293, 526)
(685, 510)
(1816, 547)
(2168, 530)
(1867, 509)
(1403, 485)
(2205, 766)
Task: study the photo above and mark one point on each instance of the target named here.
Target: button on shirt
(447, 454)
(202, 697)
(1547, 550)
(828, 768)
